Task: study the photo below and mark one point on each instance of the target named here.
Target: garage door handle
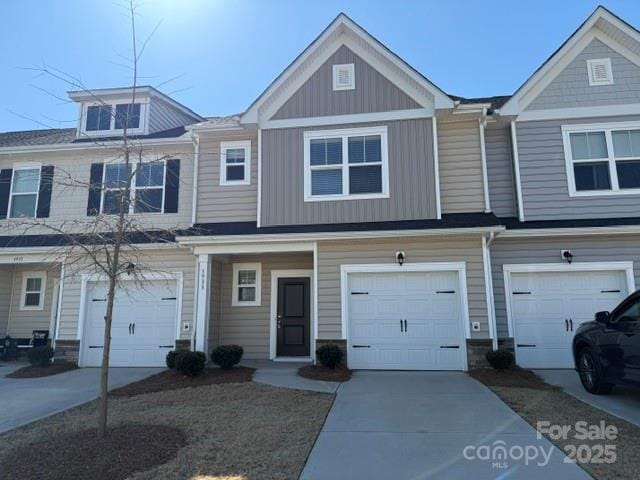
(445, 291)
(129, 329)
(133, 328)
(609, 291)
(449, 346)
(359, 293)
(521, 293)
(566, 325)
(165, 346)
(360, 346)
(571, 323)
(526, 345)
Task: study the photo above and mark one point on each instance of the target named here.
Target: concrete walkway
(285, 375)
(23, 401)
(418, 425)
(622, 402)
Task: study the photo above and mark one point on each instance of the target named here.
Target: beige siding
(249, 326)
(70, 188)
(225, 203)
(461, 187)
(331, 255)
(6, 280)
(160, 261)
(23, 322)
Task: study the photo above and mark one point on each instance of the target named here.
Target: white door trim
(148, 276)
(508, 269)
(275, 275)
(459, 267)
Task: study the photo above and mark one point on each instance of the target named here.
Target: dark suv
(606, 351)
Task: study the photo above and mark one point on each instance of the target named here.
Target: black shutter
(172, 186)
(95, 189)
(44, 193)
(5, 189)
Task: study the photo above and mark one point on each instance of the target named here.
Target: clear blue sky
(225, 52)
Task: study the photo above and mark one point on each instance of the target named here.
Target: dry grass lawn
(240, 431)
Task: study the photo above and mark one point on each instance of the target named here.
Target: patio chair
(39, 338)
(10, 349)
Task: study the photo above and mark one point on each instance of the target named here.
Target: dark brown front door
(293, 320)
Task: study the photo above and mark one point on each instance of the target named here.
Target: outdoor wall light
(400, 258)
(567, 255)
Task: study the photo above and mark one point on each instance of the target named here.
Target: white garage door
(143, 329)
(547, 308)
(405, 321)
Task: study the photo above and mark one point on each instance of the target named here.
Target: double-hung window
(149, 187)
(602, 159)
(113, 117)
(33, 288)
(246, 284)
(235, 163)
(114, 191)
(24, 192)
(346, 164)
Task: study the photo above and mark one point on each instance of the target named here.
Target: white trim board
(273, 323)
(350, 118)
(459, 267)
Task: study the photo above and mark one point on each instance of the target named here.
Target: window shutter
(172, 186)
(44, 193)
(95, 189)
(5, 189)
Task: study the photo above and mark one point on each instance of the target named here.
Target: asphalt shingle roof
(37, 137)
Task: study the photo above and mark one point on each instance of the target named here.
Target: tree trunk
(104, 370)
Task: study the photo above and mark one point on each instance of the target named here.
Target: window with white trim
(147, 187)
(33, 288)
(247, 279)
(600, 72)
(603, 160)
(101, 118)
(235, 163)
(346, 164)
(25, 185)
(115, 179)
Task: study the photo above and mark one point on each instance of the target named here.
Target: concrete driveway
(418, 425)
(24, 401)
(622, 402)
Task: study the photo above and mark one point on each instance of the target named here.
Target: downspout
(259, 199)
(488, 281)
(54, 334)
(196, 162)
(516, 167)
(482, 122)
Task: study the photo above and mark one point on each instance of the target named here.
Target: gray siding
(547, 250)
(225, 203)
(502, 191)
(331, 255)
(461, 186)
(571, 87)
(6, 280)
(373, 92)
(249, 326)
(411, 179)
(163, 116)
(543, 176)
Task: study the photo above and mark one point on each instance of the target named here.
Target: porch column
(202, 303)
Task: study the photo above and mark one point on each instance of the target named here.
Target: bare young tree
(108, 241)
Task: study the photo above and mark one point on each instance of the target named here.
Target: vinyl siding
(249, 326)
(547, 250)
(6, 281)
(160, 261)
(23, 322)
(70, 188)
(461, 187)
(225, 203)
(372, 93)
(543, 175)
(331, 255)
(571, 87)
(502, 195)
(411, 179)
(162, 116)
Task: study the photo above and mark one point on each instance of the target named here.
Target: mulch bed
(125, 450)
(318, 372)
(172, 380)
(536, 401)
(36, 372)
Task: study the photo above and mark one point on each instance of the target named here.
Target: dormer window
(127, 114)
(98, 118)
(111, 118)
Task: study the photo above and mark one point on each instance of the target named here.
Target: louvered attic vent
(600, 71)
(344, 77)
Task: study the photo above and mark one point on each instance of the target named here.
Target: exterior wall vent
(600, 72)
(344, 77)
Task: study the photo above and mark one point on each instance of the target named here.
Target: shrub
(171, 359)
(329, 355)
(40, 356)
(500, 359)
(190, 363)
(226, 356)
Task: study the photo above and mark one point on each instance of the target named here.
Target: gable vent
(600, 71)
(344, 77)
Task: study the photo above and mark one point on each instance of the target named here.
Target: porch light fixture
(567, 255)
(400, 258)
(129, 268)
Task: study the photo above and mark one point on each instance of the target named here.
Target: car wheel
(592, 374)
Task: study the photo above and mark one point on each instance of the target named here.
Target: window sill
(606, 193)
(234, 184)
(245, 304)
(27, 309)
(336, 198)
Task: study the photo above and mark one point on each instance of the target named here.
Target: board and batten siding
(249, 326)
(591, 248)
(502, 191)
(333, 254)
(23, 322)
(6, 281)
(156, 261)
(571, 87)
(543, 175)
(411, 178)
(225, 203)
(460, 161)
(372, 93)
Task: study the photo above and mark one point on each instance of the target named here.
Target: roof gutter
(61, 147)
(196, 162)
